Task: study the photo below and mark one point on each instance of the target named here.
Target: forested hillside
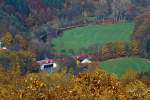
(31, 25)
(74, 49)
(30, 15)
(39, 21)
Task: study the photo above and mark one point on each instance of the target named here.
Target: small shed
(49, 65)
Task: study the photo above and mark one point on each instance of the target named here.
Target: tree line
(142, 32)
(115, 50)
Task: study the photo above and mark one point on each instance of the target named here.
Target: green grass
(84, 37)
(119, 66)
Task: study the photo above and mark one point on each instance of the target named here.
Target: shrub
(91, 85)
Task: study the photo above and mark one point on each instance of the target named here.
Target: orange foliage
(136, 48)
(106, 51)
(85, 86)
(120, 49)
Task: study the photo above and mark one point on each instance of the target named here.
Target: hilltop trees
(40, 13)
(102, 8)
(55, 3)
(20, 5)
(120, 8)
(24, 15)
(87, 9)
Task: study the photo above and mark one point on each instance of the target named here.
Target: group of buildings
(50, 65)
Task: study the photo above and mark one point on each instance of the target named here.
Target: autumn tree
(136, 47)
(121, 49)
(7, 39)
(106, 51)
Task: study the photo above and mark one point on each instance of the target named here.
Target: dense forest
(41, 20)
(27, 16)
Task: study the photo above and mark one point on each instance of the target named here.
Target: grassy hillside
(119, 66)
(84, 37)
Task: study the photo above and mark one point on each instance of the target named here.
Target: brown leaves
(92, 85)
(137, 90)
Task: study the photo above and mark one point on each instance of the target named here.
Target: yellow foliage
(107, 51)
(135, 47)
(7, 39)
(137, 90)
(97, 85)
(120, 49)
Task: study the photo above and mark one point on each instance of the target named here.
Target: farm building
(50, 65)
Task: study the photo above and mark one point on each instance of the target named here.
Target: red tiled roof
(77, 57)
(50, 61)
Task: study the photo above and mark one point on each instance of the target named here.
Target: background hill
(27, 16)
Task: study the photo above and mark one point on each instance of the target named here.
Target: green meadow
(84, 37)
(121, 65)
